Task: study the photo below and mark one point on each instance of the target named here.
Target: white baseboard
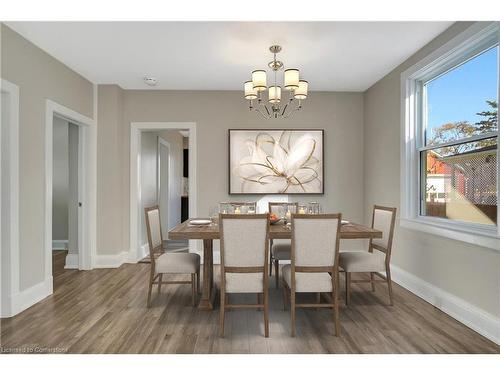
(27, 298)
(59, 244)
(473, 317)
(110, 261)
(72, 261)
(144, 252)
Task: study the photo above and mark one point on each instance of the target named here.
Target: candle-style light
(291, 79)
(274, 94)
(301, 92)
(259, 80)
(250, 92)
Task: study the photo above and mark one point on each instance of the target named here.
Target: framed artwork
(276, 161)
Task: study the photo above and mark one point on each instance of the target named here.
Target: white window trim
(444, 57)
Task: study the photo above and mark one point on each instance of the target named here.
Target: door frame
(9, 301)
(162, 142)
(136, 129)
(86, 183)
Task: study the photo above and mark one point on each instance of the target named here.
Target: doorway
(164, 178)
(80, 206)
(65, 194)
(168, 180)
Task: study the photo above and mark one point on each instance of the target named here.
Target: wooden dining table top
(277, 231)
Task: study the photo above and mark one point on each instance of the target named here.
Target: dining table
(209, 233)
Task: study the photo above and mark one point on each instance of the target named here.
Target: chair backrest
(383, 219)
(244, 240)
(315, 241)
(282, 207)
(153, 227)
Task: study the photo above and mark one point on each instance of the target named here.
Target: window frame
(476, 39)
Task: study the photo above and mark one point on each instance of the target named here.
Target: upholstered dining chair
(280, 249)
(244, 243)
(378, 257)
(164, 263)
(314, 266)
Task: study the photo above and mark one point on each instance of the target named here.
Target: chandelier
(276, 107)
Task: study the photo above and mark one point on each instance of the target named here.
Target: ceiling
(332, 56)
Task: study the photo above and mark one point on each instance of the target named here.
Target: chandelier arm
(265, 107)
(297, 108)
(290, 109)
(262, 113)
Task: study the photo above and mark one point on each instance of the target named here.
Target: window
(458, 158)
(450, 153)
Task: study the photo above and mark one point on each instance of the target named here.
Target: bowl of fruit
(274, 219)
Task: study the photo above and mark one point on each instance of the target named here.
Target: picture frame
(276, 161)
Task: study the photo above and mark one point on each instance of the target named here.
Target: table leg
(206, 301)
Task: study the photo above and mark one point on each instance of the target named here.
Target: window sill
(485, 238)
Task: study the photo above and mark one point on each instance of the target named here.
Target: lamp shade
(301, 92)
(291, 79)
(274, 94)
(250, 92)
(259, 80)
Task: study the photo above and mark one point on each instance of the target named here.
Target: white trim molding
(464, 46)
(28, 297)
(71, 261)
(136, 128)
(111, 260)
(60, 244)
(473, 317)
(10, 264)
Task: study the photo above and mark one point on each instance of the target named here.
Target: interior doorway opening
(163, 173)
(163, 182)
(83, 199)
(65, 194)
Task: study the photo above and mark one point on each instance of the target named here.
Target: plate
(344, 222)
(200, 222)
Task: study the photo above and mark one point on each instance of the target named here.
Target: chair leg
(198, 282)
(335, 299)
(277, 272)
(266, 313)
(159, 283)
(193, 289)
(347, 288)
(389, 284)
(150, 289)
(222, 311)
(285, 296)
(292, 310)
(270, 262)
(372, 280)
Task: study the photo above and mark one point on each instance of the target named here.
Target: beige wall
(340, 114)
(110, 164)
(39, 77)
(466, 271)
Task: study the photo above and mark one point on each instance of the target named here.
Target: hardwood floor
(104, 311)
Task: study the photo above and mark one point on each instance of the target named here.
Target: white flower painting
(276, 161)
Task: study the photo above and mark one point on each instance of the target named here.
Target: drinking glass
(214, 214)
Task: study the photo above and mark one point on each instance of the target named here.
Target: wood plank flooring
(104, 311)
